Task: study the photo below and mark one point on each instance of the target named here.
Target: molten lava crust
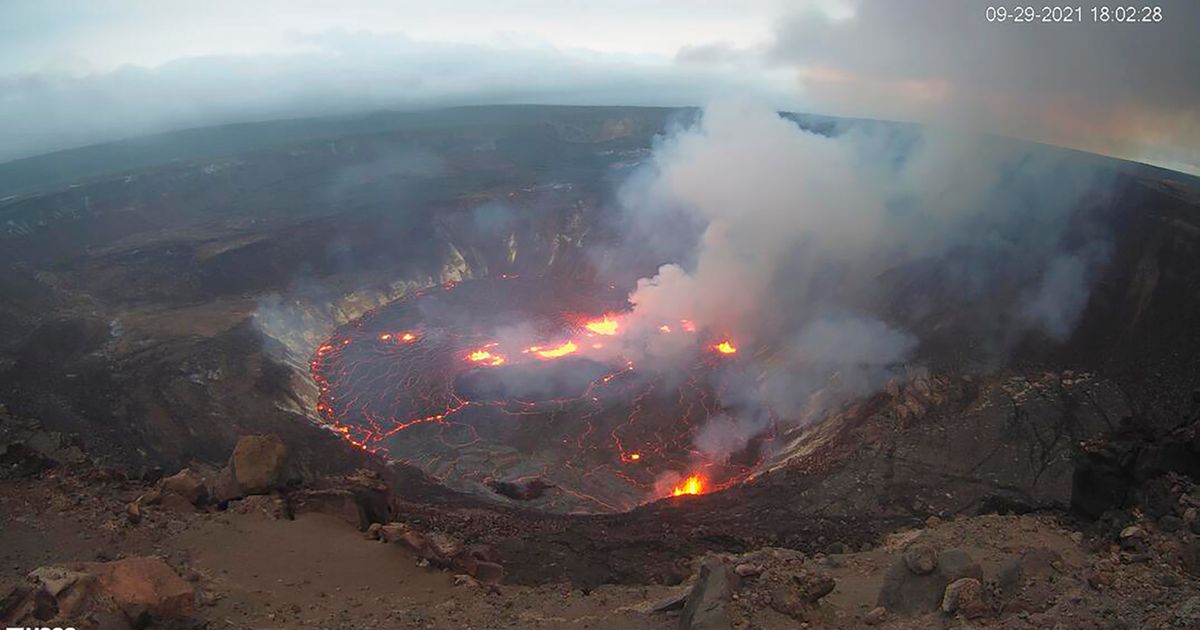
(515, 379)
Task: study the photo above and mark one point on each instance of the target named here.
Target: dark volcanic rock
(523, 490)
(707, 603)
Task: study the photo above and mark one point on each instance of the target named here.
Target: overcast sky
(73, 73)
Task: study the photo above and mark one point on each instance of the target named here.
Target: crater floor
(502, 380)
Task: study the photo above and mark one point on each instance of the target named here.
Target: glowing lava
(694, 484)
(725, 348)
(486, 357)
(573, 405)
(604, 326)
(557, 351)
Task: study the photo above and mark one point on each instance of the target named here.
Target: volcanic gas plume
(777, 302)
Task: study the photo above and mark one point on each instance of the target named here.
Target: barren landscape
(415, 370)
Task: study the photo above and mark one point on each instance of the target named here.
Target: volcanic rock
(51, 593)
(796, 594)
(358, 501)
(1132, 538)
(176, 503)
(964, 595)
(1187, 614)
(392, 532)
(187, 484)
(144, 583)
(920, 558)
(258, 463)
(109, 593)
(1170, 523)
(481, 562)
(488, 572)
(746, 569)
(1008, 578)
(671, 602)
(907, 593)
(415, 542)
(133, 513)
(223, 487)
(1191, 557)
(521, 490)
(442, 548)
(707, 603)
(272, 507)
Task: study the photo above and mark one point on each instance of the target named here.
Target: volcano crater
(502, 379)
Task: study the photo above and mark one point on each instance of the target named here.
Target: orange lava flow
(694, 484)
(725, 348)
(557, 351)
(485, 357)
(606, 326)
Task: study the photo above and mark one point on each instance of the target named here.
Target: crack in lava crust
(465, 381)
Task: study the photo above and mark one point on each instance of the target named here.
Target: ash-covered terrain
(664, 367)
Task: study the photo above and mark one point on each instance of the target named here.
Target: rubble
(124, 592)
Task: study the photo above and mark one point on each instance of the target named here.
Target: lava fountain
(513, 378)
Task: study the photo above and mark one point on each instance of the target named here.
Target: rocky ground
(86, 547)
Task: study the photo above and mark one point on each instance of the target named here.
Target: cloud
(339, 72)
(1127, 90)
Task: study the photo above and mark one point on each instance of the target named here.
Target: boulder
(133, 513)
(51, 594)
(480, 562)
(1009, 578)
(746, 569)
(187, 484)
(905, 592)
(392, 532)
(143, 583)
(797, 594)
(920, 558)
(521, 489)
(258, 463)
(964, 595)
(120, 594)
(707, 603)
(223, 487)
(488, 572)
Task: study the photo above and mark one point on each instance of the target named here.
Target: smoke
(1099, 86)
(837, 260)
